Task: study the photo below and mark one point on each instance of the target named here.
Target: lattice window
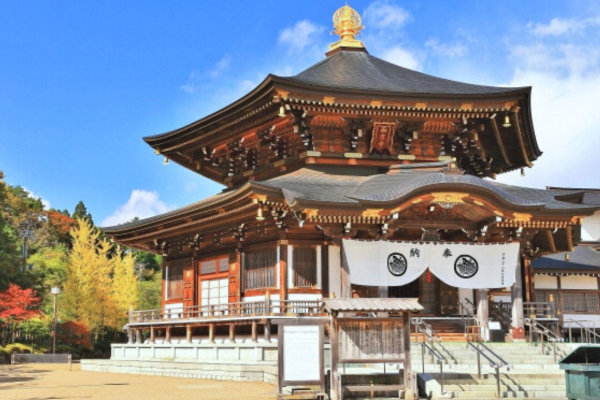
(260, 269)
(580, 302)
(220, 264)
(224, 264)
(175, 281)
(208, 267)
(214, 292)
(305, 267)
(591, 302)
(543, 296)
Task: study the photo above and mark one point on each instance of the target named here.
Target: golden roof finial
(347, 24)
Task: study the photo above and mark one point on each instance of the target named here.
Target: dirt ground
(55, 381)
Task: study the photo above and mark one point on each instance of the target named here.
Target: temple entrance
(411, 290)
(436, 297)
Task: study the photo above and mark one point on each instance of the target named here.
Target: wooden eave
(195, 212)
(221, 125)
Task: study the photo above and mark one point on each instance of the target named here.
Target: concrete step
(508, 395)
(485, 367)
(512, 383)
(503, 387)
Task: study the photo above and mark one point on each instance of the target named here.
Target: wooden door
(429, 293)
(448, 299)
(188, 286)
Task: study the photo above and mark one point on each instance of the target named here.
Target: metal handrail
(503, 313)
(482, 353)
(535, 327)
(425, 329)
(469, 314)
(440, 361)
(583, 329)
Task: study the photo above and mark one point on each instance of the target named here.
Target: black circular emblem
(396, 264)
(466, 266)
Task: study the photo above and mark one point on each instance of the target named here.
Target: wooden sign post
(300, 358)
(370, 331)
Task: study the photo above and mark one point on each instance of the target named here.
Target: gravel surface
(55, 381)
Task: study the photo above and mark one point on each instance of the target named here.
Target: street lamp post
(55, 292)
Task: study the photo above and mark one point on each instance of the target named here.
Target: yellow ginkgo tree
(101, 284)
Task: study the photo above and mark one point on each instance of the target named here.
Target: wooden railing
(539, 310)
(238, 310)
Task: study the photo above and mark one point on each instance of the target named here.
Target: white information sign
(301, 361)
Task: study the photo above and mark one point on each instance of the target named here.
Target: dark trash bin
(582, 373)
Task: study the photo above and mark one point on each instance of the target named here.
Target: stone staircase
(532, 374)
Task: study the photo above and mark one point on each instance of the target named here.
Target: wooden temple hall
(355, 178)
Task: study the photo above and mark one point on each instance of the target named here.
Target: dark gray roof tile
(583, 258)
(362, 71)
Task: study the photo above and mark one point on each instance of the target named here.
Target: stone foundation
(181, 369)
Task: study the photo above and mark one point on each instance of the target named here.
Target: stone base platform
(264, 372)
(228, 361)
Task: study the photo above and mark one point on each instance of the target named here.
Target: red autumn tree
(61, 225)
(16, 305)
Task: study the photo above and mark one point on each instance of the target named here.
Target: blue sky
(82, 82)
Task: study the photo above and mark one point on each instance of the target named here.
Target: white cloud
(565, 98)
(141, 204)
(246, 86)
(300, 36)
(32, 195)
(193, 83)
(196, 79)
(567, 59)
(402, 57)
(448, 50)
(560, 26)
(384, 15)
(220, 66)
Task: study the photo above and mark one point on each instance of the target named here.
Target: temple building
(570, 280)
(355, 178)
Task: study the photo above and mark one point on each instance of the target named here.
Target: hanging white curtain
(384, 263)
(462, 265)
(474, 266)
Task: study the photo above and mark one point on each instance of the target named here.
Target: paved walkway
(55, 381)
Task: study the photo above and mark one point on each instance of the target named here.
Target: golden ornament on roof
(347, 24)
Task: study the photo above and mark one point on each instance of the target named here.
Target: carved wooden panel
(371, 340)
(448, 299)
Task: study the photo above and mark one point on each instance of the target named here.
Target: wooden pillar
(239, 274)
(254, 331)
(384, 292)
(283, 266)
(333, 335)
(483, 311)
(211, 333)
(152, 335)
(138, 335)
(129, 335)
(325, 270)
(407, 362)
(346, 286)
(231, 333)
(268, 331)
(168, 334)
(188, 333)
(526, 266)
(516, 296)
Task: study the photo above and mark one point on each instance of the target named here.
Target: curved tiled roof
(582, 258)
(362, 71)
(324, 186)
